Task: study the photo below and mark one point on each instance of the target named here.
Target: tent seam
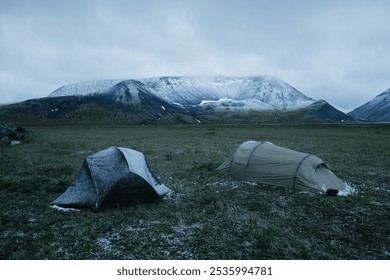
(299, 165)
(250, 157)
(122, 155)
(93, 182)
(128, 166)
(234, 155)
(253, 150)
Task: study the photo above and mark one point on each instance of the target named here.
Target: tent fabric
(264, 162)
(112, 176)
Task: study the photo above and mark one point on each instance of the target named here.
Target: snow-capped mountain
(85, 88)
(254, 92)
(175, 100)
(250, 92)
(126, 92)
(377, 109)
(127, 102)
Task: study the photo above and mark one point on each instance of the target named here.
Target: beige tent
(264, 162)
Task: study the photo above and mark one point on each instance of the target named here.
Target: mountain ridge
(268, 92)
(376, 110)
(84, 88)
(175, 100)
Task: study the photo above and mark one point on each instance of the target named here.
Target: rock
(11, 134)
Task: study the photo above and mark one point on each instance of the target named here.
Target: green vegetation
(207, 216)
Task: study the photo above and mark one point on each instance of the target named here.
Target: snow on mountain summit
(261, 92)
(85, 88)
(194, 91)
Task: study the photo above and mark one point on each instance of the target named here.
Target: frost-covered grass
(207, 216)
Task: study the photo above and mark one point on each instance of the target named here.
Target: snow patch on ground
(82, 152)
(176, 239)
(105, 243)
(63, 209)
(349, 190)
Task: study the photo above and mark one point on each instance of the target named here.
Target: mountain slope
(377, 109)
(318, 112)
(172, 100)
(84, 88)
(266, 92)
(322, 110)
(127, 102)
(261, 92)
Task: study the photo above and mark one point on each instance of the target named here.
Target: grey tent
(264, 162)
(112, 176)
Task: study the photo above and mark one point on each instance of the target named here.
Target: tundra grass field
(208, 215)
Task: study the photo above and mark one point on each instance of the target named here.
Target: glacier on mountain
(249, 92)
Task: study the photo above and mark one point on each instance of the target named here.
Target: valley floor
(207, 216)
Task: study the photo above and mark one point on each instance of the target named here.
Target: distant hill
(322, 110)
(173, 100)
(376, 110)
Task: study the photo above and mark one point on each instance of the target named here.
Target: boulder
(11, 134)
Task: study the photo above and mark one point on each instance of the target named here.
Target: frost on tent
(114, 176)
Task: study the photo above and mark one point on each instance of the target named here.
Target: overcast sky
(333, 50)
